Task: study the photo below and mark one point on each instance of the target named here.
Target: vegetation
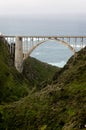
(11, 82)
(60, 105)
(14, 85)
(38, 73)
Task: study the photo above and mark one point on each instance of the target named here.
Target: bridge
(22, 46)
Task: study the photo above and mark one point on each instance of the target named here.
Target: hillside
(14, 85)
(74, 70)
(60, 106)
(38, 73)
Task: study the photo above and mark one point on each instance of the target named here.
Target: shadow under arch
(39, 43)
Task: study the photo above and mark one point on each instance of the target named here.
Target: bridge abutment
(19, 54)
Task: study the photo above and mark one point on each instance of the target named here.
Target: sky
(42, 7)
(45, 16)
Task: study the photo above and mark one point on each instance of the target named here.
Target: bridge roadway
(22, 46)
(44, 36)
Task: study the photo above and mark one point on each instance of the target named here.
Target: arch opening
(47, 40)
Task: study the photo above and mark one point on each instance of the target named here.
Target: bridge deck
(41, 36)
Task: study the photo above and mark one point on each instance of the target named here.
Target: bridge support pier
(19, 54)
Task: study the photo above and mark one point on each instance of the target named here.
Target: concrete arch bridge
(22, 46)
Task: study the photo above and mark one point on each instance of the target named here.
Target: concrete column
(19, 54)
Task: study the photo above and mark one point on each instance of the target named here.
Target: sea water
(51, 52)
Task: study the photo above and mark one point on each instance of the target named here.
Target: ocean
(50, 52)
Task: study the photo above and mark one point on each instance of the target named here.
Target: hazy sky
(42, 7)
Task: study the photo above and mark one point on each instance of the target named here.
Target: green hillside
(12, 84)
(38, 73)
(60, 105)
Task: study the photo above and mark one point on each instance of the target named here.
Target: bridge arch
(39, 43)
(22, 41)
